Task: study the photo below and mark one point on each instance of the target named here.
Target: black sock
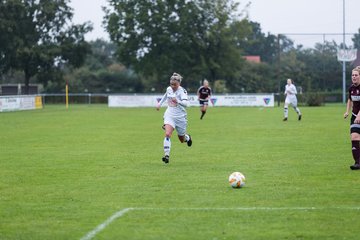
(356, 151)
(202, 114)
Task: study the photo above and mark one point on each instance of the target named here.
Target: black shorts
(354, 127)
(204, 102)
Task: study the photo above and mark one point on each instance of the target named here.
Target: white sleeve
(295, 92)
(184, 103)
(163, 99)
(184, 99)
(292, 89)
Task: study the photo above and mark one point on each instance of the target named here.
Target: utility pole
(344, 65)
(278, 68)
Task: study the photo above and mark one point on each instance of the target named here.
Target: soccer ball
(237, 180)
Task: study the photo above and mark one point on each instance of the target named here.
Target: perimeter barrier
(38, 101)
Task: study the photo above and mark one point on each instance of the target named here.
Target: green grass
(64, 172)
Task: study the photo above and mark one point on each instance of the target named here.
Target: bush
(314, 99)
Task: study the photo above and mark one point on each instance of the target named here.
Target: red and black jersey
(204, 92)
(354, 96)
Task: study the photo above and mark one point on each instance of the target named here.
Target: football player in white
(290, 93)
(175, 116)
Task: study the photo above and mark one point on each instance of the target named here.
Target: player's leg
(299, 113)
(355, 144)
(203, 110)
(185, 138)
(286, 109)
(181, 125)
(297, 110)
(169, 128)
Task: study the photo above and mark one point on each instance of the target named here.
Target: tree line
(149, 40)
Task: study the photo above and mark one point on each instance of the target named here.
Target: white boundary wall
(17, 103)
(231, 100)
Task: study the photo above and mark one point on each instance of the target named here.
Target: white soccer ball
(237, 180)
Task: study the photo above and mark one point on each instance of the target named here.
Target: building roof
(255, 59)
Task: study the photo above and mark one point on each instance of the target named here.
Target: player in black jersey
(204, 94)
(353, 105)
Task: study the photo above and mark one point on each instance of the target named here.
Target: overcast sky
(274, 16)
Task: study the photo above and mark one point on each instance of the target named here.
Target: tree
(37, 37)
(253, 78)
(101, 56)
(356, 40)
(315, 74)
(101, 73)
(157, 38)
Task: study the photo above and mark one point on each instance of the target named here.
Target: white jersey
(290, 92)
(175, 110)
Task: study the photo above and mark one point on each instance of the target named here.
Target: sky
(298, 17)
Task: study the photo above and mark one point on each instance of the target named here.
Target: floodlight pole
(343, 65)
(278, 68)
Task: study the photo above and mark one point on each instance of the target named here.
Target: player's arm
(294, 90)
(291, 90)
(161, 101)
(210, 92)
(183, 102)
(348, 108)
(183, 99)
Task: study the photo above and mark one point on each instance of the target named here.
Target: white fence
(28, 102)
(231, 100)
(17, 103)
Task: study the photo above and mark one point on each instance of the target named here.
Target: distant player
(353, 104)
(204, 94)
(290, 93)
(175, 116)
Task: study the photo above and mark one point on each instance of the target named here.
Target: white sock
(187, 137)
(286, 112)
(297, 110)
(167, 146)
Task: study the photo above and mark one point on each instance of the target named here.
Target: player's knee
(355, 137)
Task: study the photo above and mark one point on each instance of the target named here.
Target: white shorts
(179, 124)
(291, 100)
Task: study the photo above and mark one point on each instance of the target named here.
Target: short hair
(357, 69)
(176, 77)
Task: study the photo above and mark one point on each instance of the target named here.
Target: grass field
(63, 173)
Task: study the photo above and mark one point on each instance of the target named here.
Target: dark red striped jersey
(204, 92)
(354, 96)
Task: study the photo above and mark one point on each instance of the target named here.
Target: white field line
(250, 209)
(121, 213)
(100, 227)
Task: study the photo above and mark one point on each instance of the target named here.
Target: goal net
(346, 55)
